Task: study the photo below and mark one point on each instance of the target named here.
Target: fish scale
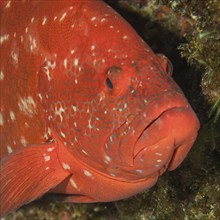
(88, 111)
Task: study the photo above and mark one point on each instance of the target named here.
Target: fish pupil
(108, 83)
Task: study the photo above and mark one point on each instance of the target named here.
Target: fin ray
(27, 175)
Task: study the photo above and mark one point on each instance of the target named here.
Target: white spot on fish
(27, 106)
(63, 16)
(93, 18)
(158, 154)
(139, 171)
(125, 37)
(74, 108)
(92, 47)
(50, 149)
(12, 115)
(73, 183)
(87, 173)
(32, 19)
(40, 96)
(1, 76)
(106, 146)
(4, 38)
(8, 5)
(132, 91)
(85, 152)
(111, 138)
(76, 62)
(59, 112)
(1, 120)
(9, 149)
(66, 166)
(47, 133)
(33, 43)
(23, 141)
(46, 158)
(65, 63)
(47, 168)
(14, 56)
(107, 158)
(62, 134)
(89, 124)
(44, 21)
(51, 65)
(159, 161)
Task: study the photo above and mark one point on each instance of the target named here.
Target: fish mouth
(157, 140)
(165, 142)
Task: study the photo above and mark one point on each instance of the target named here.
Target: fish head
(128, 122)
(114, 104)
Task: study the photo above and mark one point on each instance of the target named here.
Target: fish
(89, 112)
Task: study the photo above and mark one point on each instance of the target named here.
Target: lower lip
(176, 127)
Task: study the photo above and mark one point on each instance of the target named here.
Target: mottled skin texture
(88, 110)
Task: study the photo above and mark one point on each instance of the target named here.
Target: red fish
(88, 111)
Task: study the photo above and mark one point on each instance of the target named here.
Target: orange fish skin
(87, 103)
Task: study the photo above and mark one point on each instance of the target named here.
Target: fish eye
(108, 83)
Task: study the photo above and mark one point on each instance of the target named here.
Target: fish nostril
(169, 68)
(108, 83)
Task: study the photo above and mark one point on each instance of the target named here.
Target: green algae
(188, 33)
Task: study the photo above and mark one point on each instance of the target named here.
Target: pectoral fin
(28, 174)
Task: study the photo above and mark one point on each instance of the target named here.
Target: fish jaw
(167, 140)
(157, 138)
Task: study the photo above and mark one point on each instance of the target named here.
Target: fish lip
(160, 133)
(151, 123)
(125, 158)
(141, 122)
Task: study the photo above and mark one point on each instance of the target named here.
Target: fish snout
(165, 142)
